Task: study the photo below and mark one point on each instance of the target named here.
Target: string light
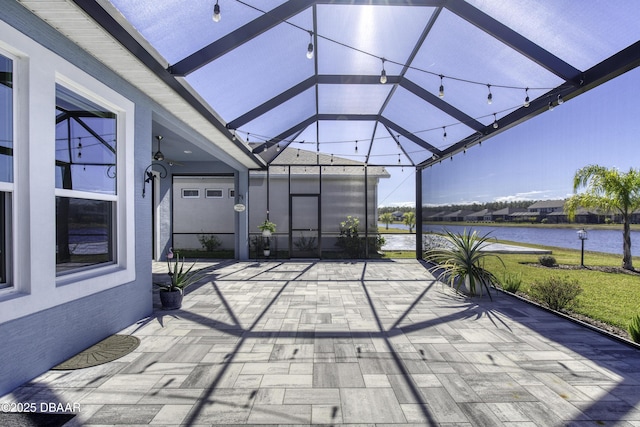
(410, 67)
(444, 133)
(495, 121)
(550, 105)
(441, 89)
(526, 100)
(298, 153)
(399, 159)
(560, 100)
(310, 47)
(79, 147)
(216, 12)
(383, 74)
(356, 146)
(490, 96)
(332, 159)
(233, 134)
(278, 146)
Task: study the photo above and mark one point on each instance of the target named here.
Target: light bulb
(441, 91)
(495, 121)
(383, 74)
(490, 96)
(550, 105)
(526, 100)
(216, 13)
(560, 100)
(444, 133)
(310, 51)
(356, 146)
(278, 146)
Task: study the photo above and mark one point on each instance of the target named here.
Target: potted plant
(180, 277)
(461, 262)
(267, 228)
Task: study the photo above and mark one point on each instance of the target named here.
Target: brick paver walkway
(359, 343)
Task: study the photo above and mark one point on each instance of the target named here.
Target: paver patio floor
(358, 343)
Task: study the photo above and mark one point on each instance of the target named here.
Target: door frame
(318, 229)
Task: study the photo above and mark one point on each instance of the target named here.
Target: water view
(609, 241)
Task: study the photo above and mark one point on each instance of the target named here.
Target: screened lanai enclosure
(382, 83)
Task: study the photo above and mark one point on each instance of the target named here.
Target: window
(6, 166)
(6, 119)
(85, 182)
(232, 193)
(189, 193)
(213, 193)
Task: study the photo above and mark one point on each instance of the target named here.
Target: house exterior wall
(205, 214)
(46, 318)
(340, 196)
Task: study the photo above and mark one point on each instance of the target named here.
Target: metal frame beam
(514, 40)
(238, 37)
(93, 9)
(617, 64)
(441, 105)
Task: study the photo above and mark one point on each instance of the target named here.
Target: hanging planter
(267, 228)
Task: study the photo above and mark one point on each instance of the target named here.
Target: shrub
(547, 261)
(349, 239)
(511, 282)
(556, 292)
(634, 328)
(209, 242)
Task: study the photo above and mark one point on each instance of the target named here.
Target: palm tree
(611, 191)
(386, 218)
(409, 219)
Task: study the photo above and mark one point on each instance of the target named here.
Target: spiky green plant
(463, 261)
(181, 276)
(634, 328)
(511, 282)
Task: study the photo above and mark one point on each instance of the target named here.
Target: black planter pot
(171, 300)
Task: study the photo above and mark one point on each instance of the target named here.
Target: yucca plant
(181, 276)
(634, 328)
(462, 261)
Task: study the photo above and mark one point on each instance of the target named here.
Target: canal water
(609, 241)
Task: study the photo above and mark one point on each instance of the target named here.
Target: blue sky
(537, 159)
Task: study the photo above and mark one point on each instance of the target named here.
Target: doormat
(33, 419)
(107, 350)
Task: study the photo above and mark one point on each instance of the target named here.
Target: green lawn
(613, 298)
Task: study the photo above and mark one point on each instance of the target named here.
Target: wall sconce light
(158, 155)
(149, 176)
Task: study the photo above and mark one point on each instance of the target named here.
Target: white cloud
(398, 204)
(529, 195)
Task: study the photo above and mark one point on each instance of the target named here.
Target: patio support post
(418, 213)
(366, 213)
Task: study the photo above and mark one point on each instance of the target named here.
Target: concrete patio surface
(355, 343)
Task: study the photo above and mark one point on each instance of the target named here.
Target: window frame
(123, 263)
(7, 188)
(206, 193)
(91, 195)
(196, 190)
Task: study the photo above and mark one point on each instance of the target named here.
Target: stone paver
(358, 343)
